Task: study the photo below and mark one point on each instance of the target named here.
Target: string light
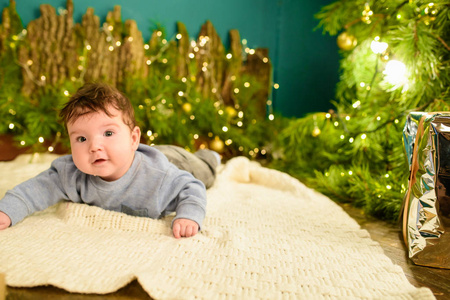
(377, 46)
(395, 73)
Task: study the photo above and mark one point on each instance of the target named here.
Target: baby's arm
(184, 228)
(5, 221)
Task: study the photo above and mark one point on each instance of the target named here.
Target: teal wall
(305, 62)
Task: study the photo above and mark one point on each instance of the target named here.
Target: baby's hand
(5, 221)
(184, 228)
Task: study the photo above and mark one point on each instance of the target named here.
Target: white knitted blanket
(266, 236)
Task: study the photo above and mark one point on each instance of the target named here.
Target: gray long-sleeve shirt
(152, 187)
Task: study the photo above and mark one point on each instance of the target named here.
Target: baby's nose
(95, 145)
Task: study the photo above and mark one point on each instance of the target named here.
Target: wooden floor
(386, 234)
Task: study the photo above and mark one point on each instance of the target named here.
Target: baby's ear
(135, 137)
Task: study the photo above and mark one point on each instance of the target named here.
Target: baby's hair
(97, 97)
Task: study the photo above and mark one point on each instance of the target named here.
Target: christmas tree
(395, 60)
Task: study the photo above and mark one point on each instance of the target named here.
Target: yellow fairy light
(149, 133)
(164, 61)
(192, 117)
(247, 84)
(146, 46)
(141, 107)
(180, 93)
(389, 187)
(251, 51)
(395, 73)
(66, 93)
(22, 143)
(80, 67)
(11, 126)
(378, 118)
(159, 33)
(88, 47)
(228, 142)
(111, 48)
(148, 62)
(276, 86)
(229, 56)
(214, 90)
(347, 118)
(43, 78)
(191, 55)
(239, 123)
(179, 36)
(377, 46)
(351, 140)
(118, 43)
(224, 128)
(204, 69)
(233, 78)
(265, 60)
(350, 173)
(241, 114)
(183, 79)
(164, 41)
(342, 137)
(269, 102)
(328, 115)
(363, 136)
(196, 136)
(387, 175)
(271, 117)
(50, 149)
(220, 112)
(336, 124)
(41, 139)
(153, 108)
(236, 90)
(167, 77)
(356, 104)
(29, 62)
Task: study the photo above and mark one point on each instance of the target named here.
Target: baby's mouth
(99, 161)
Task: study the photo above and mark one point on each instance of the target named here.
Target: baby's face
(103, 146)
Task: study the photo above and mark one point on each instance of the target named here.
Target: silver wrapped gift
(426, 205)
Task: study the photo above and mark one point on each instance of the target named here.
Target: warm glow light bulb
(378, 47)
(395, 72)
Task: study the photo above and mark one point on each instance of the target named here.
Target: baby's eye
(81, 139)
(108, 133)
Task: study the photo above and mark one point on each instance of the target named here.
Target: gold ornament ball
(346, 41)
(187, 107)
(316, 131)
(217, 145)
(231, 111)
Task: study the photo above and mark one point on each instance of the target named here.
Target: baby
(109, 168)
